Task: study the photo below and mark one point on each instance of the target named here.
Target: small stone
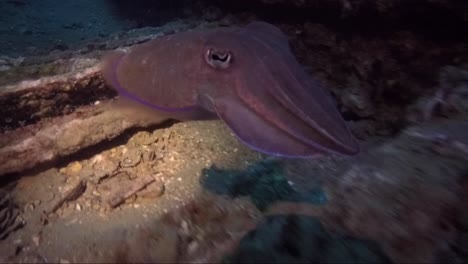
(131, 199)
(192, 247)
(96, 159)
(33, 205)
(74, 168)
(124, 150)
(144, 138)
(67, 87)
(184, 226)
(132, 176)
(153, 191)
(131, 158)
(86, 172)
(113, 152)
(50, 196)
(36, 240)
(78, 207)
(66, 211)
(103, 167)
(149, 156)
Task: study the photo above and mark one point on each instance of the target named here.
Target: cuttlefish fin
(134, 110)
(259, 134)
(130, 110)
(109, 64)
(268, 32)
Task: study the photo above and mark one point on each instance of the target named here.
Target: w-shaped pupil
(220, 57)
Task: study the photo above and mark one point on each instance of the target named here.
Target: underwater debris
(125, 192)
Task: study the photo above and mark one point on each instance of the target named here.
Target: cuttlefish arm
(297, 116)
(247, 76)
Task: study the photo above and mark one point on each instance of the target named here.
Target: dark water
(39, 26)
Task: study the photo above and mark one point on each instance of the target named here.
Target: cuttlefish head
(265, 96)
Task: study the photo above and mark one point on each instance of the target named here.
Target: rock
(407, 186)
(297, 239)
(36, 239)
(119, 194)
(143, 138)
(152, 191)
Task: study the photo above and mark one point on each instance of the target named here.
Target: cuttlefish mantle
(247, 76)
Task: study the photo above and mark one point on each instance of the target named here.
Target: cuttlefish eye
(218, 59)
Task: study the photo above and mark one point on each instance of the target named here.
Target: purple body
(247, 76)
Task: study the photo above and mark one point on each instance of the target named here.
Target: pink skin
(246, 76)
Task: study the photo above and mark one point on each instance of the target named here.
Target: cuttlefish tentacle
(247, 76)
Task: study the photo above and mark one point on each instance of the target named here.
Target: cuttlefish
(246, 76)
